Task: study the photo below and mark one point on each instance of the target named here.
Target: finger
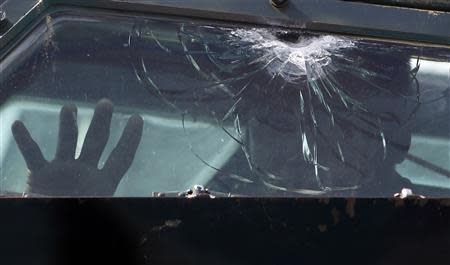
(68, 132)
(28, 147)
(98, 133)
(123, 154)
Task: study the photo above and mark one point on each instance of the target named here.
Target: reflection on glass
(247, 111)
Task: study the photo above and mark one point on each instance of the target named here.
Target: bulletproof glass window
(241, 110)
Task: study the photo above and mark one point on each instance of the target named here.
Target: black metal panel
(224, 231)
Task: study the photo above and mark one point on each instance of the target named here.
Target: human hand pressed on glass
(66, 175)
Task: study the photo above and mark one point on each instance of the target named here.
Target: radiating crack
(253, 68)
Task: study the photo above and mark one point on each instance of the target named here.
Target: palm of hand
(67, 176)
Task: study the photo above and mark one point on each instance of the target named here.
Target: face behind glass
(356, 151)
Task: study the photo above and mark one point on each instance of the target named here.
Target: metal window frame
(333, 16)
(441, 5)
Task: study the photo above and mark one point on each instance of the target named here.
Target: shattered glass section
(244, 110)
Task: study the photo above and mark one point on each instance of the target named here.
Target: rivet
(4, 22)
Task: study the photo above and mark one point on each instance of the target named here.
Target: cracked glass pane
(241, 110)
